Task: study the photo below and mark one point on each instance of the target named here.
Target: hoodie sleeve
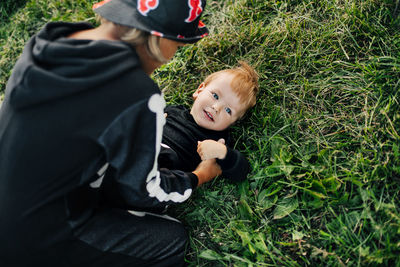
(132, 144)
(235, 166)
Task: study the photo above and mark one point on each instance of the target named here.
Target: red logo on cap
(156, 33)
(144, 6)
(100, 4)
(195, 10)
(201, 24)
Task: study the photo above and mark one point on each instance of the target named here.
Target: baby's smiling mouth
(209, 115)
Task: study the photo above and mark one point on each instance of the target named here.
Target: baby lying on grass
(202, 133)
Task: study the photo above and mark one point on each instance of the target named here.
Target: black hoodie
(73, 110)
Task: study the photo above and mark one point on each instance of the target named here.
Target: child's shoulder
(175, 108)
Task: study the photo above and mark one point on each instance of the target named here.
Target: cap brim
(199, 34)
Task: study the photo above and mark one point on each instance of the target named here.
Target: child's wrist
(224, 151)
(201, 177)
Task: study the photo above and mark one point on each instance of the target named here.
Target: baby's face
(216, 106)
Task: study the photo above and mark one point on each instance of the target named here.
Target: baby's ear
(198, 91)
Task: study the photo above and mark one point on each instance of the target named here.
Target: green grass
(323, 140)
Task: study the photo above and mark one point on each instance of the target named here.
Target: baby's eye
(228, 110)
(215, 96)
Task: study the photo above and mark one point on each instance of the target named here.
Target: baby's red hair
(244, 83)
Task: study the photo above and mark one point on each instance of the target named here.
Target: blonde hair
(136, 37)
(244, 83)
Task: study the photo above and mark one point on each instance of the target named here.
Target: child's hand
(207, 170)
(210, 149)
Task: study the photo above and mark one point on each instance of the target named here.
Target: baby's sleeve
(235, 166)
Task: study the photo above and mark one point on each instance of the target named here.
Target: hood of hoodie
(54, 66)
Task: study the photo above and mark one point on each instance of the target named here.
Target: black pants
(116, 237)
(109, 238)
(121, 238)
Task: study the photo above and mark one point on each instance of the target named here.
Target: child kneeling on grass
(202, 133)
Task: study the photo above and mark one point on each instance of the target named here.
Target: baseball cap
(177, 20)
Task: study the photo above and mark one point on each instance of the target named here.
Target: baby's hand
(210, 149)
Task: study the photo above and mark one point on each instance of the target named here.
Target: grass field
(323, 140)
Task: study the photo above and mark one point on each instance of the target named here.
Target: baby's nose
(216, 107)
